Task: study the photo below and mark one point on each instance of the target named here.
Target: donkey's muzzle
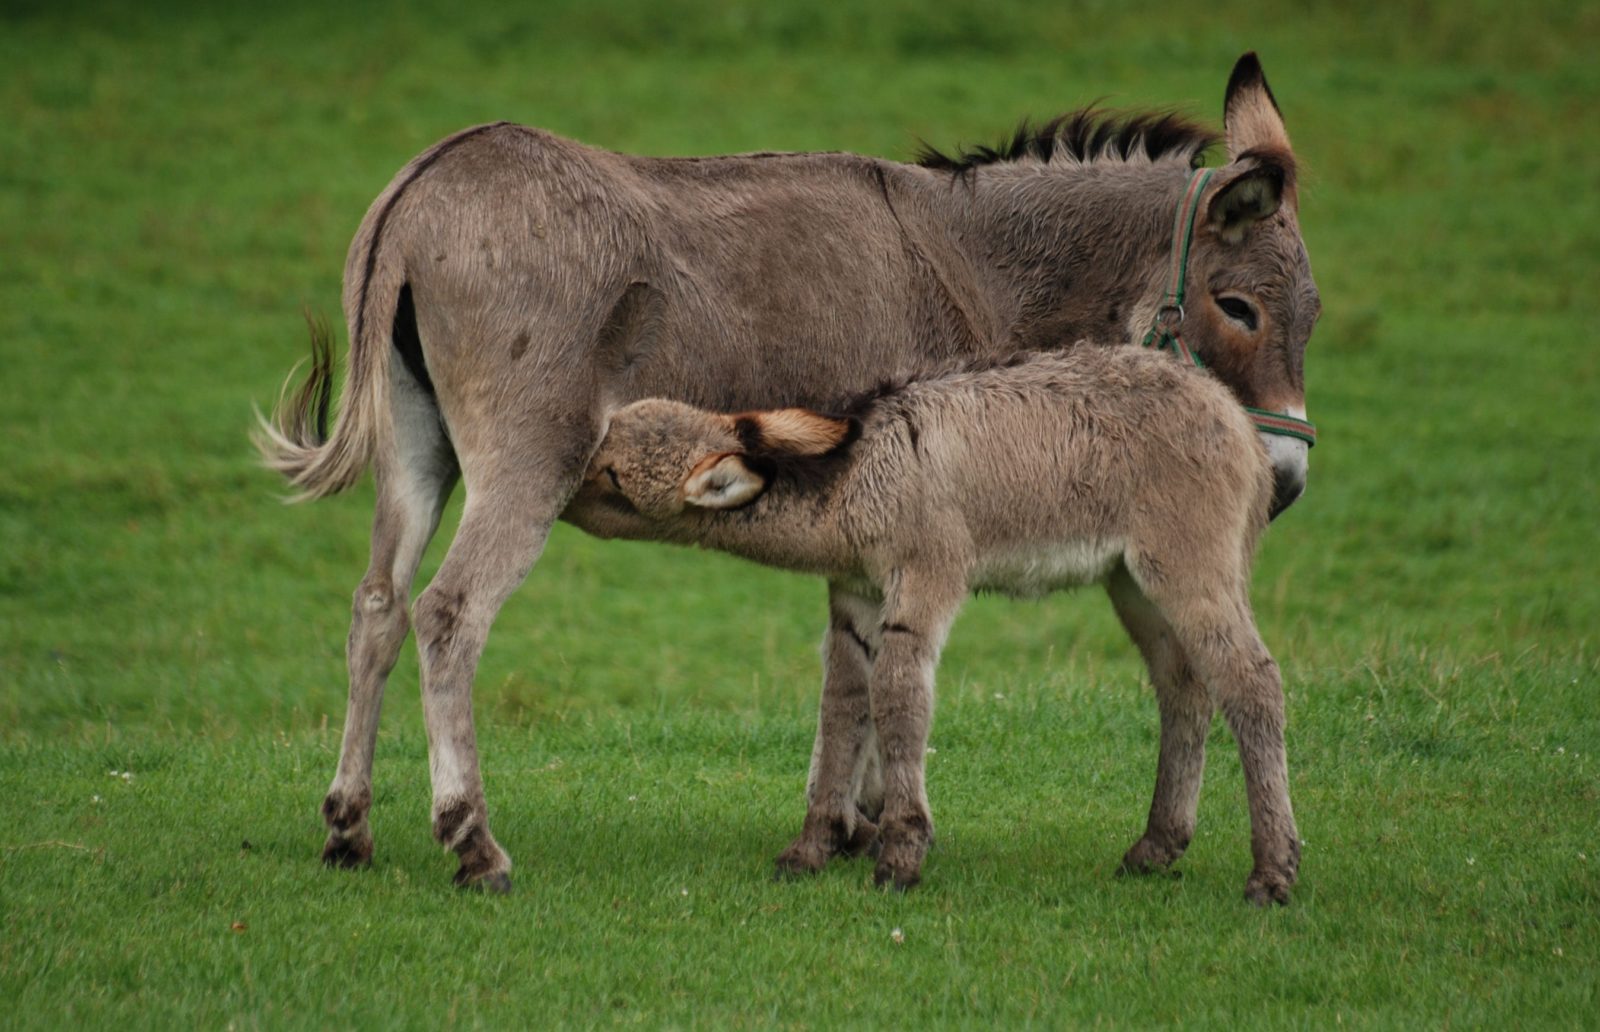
(1287, 486)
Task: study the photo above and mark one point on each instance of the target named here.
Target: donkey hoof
(495, 883)
(900, 881)
(1149, 857)
(348, 852)
(344, 813)
(864, 841)
(1265, 889)
(800, 860)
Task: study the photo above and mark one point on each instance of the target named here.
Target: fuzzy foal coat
(1098, 465)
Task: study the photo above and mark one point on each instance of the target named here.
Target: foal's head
(664, 456)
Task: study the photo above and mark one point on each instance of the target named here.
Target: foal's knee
(1254, 690)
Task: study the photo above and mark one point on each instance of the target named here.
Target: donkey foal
(1108, 465)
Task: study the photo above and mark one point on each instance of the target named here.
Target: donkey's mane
(1085, 136)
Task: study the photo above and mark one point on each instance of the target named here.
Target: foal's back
(1088, 451)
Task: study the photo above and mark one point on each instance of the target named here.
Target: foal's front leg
(846, 751)
(917, 614)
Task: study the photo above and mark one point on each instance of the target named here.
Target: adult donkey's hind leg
(1186, 712)
(513, 498)
(412, 485)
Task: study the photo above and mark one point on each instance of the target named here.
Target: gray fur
(1096, 465)
(551, 281)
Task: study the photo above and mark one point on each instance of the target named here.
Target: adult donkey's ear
(722, 482)
(1260, 175)
(794, 431)
(1250, 115)
(1252, 189)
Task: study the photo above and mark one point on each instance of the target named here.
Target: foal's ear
(1253, 189)
(794, 431)
(722, 482)
(1250, 114)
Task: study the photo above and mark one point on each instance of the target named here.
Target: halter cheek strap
(1169, 317)
(1164, 332)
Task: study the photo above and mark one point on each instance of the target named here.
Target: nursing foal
(1110, 465)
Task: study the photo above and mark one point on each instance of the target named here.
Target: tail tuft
(294, 442)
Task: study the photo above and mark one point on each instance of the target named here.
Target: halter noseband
(1164, 333)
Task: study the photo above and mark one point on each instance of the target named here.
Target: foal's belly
(1035, 571)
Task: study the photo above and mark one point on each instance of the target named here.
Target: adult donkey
(510, 288)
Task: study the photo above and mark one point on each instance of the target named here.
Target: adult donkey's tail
(295, 441)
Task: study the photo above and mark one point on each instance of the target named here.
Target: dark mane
(1085, 136)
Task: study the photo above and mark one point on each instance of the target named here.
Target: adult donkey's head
(1080, 219)
(1251, 301)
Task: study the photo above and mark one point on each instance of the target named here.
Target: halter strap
(1164, 332)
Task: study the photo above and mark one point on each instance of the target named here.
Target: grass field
(175, 185)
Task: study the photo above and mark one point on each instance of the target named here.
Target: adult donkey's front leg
(509, 511)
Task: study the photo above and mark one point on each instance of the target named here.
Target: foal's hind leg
(1186, 711)
(412, 485)
(917, 613)
(1218, 632)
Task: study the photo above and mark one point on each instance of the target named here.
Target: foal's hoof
(800, 860)
(864, 841)
(899, 881)
(1148, 856)
(348, 852)
(903, 846)
(1263, 889)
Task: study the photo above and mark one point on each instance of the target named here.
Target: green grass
(176, 183)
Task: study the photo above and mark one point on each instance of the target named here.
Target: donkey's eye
(1240, 311)
(611, 475)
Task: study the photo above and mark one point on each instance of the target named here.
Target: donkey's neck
(1063, 251)
(792, 526)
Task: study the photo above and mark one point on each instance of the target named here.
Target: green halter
(1164, 333)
